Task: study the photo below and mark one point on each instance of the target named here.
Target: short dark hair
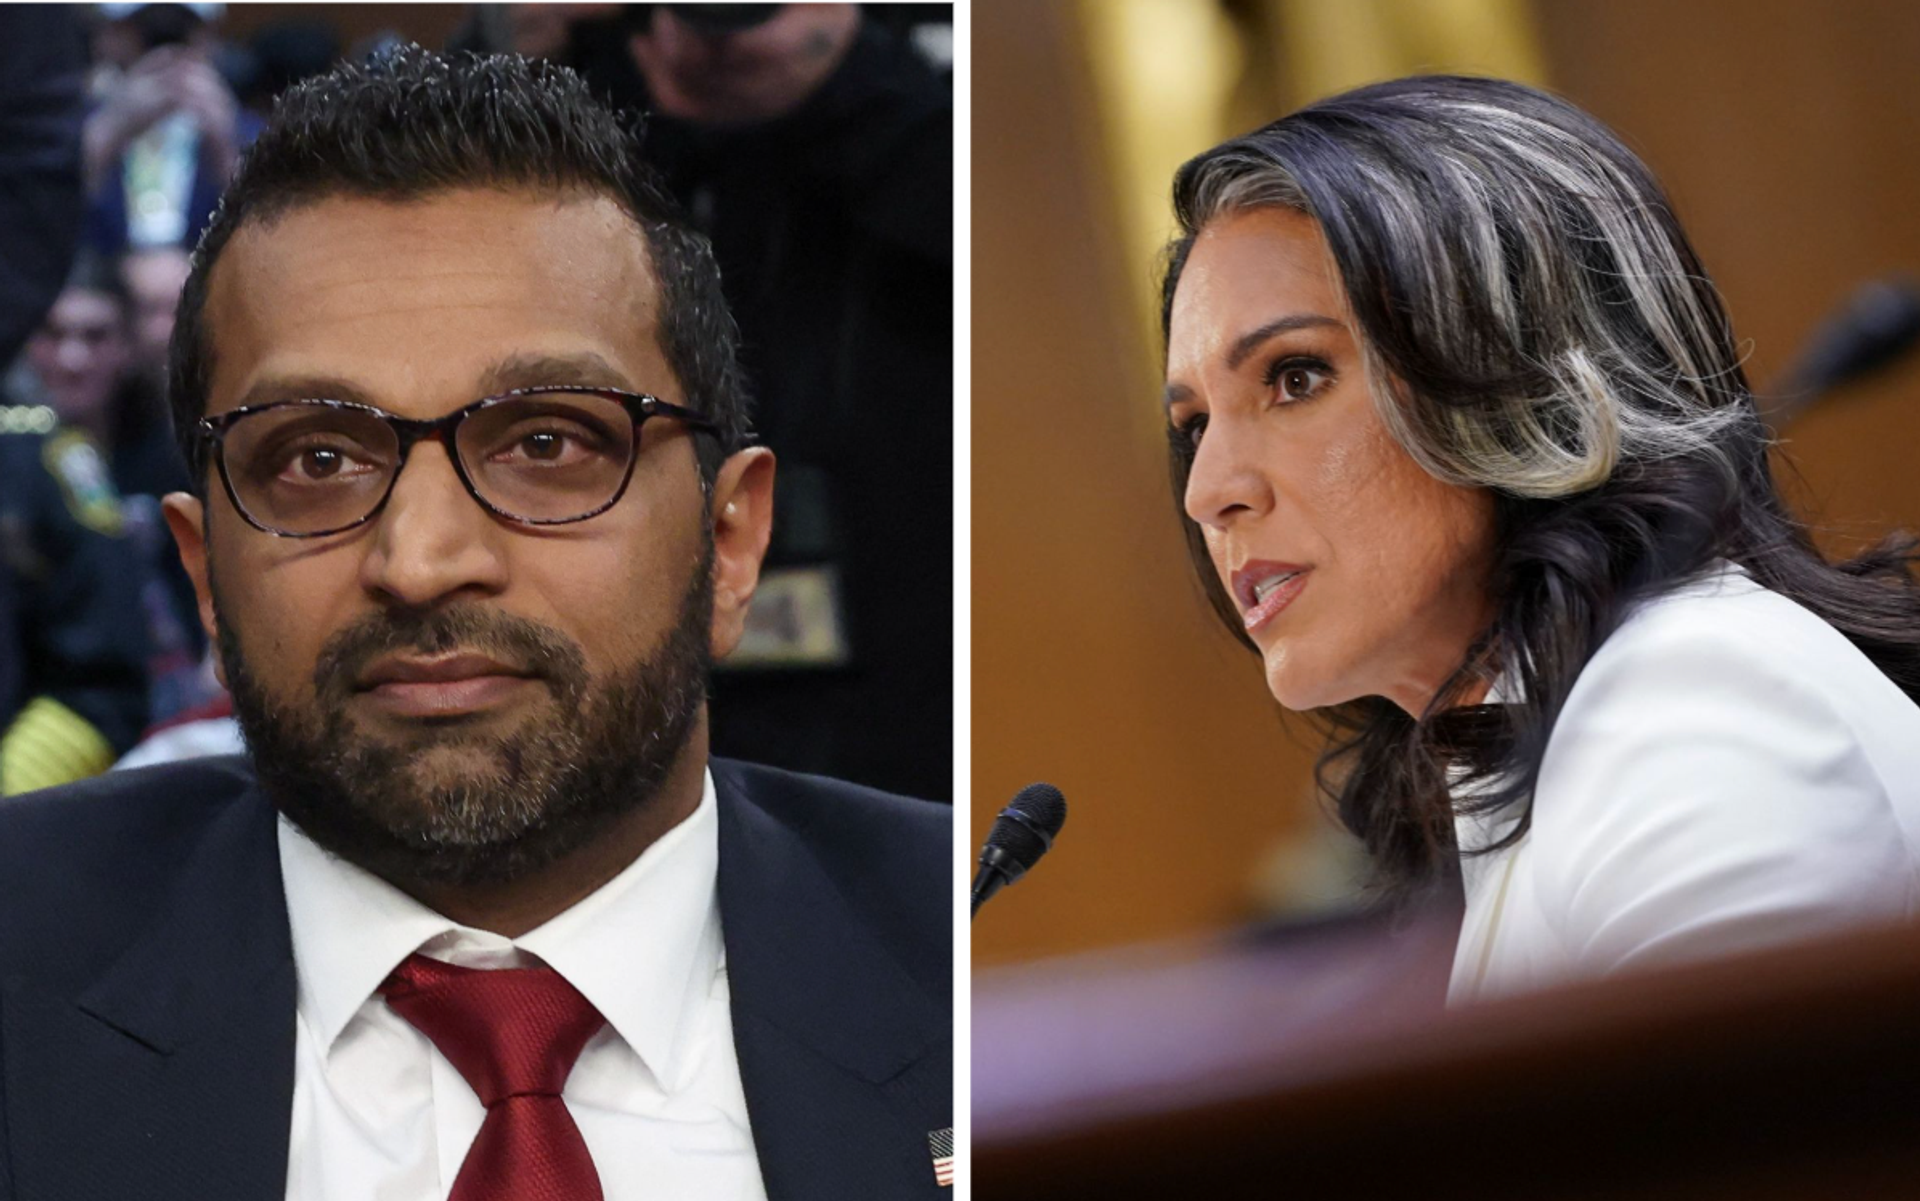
(413, 123)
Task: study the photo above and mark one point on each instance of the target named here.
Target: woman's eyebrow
(1244, 346)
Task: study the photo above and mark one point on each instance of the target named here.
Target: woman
(1466, 454)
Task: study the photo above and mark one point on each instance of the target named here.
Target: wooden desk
(1234, 1070)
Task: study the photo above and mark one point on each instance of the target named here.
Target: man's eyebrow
(302, 387)
(1243, 347)
(583, 369)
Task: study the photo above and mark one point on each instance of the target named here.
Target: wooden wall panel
(1789, 137)
(1095, 665)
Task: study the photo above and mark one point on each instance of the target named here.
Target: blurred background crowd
(812, 143)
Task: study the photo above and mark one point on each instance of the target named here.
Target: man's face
(441, 694)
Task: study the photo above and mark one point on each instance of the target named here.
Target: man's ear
(186, 515)
(742, 514)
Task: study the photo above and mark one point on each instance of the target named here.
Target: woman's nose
(1224, 481)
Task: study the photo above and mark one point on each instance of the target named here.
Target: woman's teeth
(1264, 588)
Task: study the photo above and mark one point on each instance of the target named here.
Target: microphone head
(1879, 323)
(1042, 805)
(1026, 827)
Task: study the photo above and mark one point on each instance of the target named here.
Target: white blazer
(1729, 772)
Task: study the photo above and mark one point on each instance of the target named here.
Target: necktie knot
(511, 1032)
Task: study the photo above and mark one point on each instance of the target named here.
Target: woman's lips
(1260, 599)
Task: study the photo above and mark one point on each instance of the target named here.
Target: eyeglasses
(538, 456)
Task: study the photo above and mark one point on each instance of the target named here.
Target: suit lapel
(171, 1075)
(845, 1060)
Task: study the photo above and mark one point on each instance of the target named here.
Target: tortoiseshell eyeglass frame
(409, 431)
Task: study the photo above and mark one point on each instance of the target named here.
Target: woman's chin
(1297, 689)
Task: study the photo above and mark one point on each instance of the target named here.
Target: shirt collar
(643, 948)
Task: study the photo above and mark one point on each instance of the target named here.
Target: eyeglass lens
(309, 468)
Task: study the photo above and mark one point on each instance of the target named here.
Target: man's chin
(451, 763)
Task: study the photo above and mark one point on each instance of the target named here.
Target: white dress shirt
(380, 1115)
(1729, 772)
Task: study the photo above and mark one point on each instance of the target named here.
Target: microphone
(1024, 832)
(1879, 323)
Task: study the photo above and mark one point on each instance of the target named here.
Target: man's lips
(1262, 588)
(440, 687)
(445, 669)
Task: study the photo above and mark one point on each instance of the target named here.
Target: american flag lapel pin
(942, 1143)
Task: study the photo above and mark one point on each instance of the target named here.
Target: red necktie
(514, 1035)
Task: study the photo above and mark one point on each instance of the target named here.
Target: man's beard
(520, 800)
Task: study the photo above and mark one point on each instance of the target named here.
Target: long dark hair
(1534, 322)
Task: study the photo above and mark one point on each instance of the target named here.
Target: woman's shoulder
(1723, 666)
(1724, 635)
(1728, 770)
(1727, 613)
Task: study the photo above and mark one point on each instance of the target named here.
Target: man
(510, 934)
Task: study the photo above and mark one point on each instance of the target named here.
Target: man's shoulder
(890, 857)
(835, 882)
(108, 809)
(85, 863)
(825, 807)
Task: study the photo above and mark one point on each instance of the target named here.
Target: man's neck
(525, 904)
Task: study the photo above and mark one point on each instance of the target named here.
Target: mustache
(539, 650)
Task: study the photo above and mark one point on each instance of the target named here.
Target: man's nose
(432, 542)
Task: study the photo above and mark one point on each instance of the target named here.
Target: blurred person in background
(76, 639)
(166, 131)
(72, 648)
(274, 58)
(814, 145)
(152, 277)
(1466, 454)
(92, 358)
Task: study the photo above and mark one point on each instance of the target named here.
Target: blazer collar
(223, 933)
(171, 1074)
(800, 956)
(841, 1052)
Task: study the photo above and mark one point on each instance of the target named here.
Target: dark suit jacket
(147, 985)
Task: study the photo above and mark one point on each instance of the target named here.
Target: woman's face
(79, 352)
(1355, 572)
